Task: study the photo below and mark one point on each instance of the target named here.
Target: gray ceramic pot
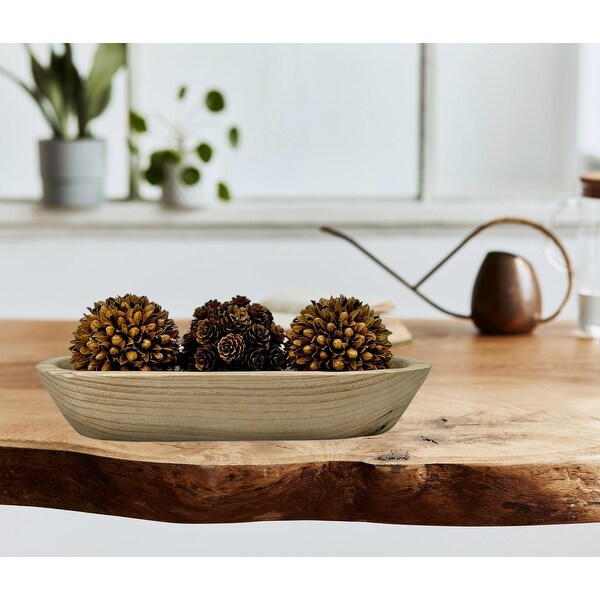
(72, 172)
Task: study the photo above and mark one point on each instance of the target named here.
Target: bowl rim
(60, 365)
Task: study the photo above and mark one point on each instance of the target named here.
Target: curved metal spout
(414, 288)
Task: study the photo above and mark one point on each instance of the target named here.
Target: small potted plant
(178, 167)
(72, 163)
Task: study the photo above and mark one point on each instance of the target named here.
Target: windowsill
(271, 216)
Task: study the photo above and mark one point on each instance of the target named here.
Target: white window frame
(423, 212)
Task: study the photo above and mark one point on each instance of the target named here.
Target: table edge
(444, 494)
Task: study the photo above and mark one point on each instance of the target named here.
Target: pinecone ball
(128, 333)
(339, 334)
(236, 335)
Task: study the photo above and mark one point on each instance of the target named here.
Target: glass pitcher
(588, 260)
(587, 266)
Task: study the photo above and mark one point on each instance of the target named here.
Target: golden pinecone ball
(339, 334)
(127, 333)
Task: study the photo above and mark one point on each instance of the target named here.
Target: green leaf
(65, 91)
(94, 105)
(182, 92)
(72, 81)
(47, 81)
(154, 175)
(223, 191)
(234, 137)
(215, 102)
(157, 159)
(67, 78)
(40, 76)
(190, 175)
(109, 58)
(137, 123)
(162, 157)
(38, 99)
(204, 151)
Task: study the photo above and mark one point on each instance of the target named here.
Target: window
(589, 103)
(352, 121)
(316, 120)
(504, 120)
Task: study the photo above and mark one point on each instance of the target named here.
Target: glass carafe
(587, 270)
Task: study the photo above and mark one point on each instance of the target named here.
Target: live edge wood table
(506, 431)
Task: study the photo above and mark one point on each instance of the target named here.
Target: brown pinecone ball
(127, 333)
(234, 335)
(339, 334)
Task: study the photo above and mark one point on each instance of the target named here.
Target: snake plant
(69, 100)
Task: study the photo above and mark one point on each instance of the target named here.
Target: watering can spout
(506, 296)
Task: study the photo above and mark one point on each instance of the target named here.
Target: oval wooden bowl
(249, 405)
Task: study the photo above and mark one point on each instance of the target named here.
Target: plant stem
(197, 126)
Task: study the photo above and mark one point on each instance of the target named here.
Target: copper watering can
(506, 296)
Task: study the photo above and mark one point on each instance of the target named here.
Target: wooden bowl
(249, 405)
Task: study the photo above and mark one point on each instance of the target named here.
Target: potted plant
(72, 163)
(178, 166)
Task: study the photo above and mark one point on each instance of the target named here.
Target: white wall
(48, 532)
(182, 272)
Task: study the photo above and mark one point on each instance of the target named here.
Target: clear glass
(588, 266)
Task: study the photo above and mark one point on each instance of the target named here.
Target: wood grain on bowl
(232, 405)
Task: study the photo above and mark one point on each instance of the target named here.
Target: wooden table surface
(505, 431)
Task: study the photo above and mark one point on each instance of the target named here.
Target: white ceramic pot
(177, 194)
(72, 172)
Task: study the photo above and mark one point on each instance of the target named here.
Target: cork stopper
(591, 184)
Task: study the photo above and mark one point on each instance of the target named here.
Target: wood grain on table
(505, 431)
